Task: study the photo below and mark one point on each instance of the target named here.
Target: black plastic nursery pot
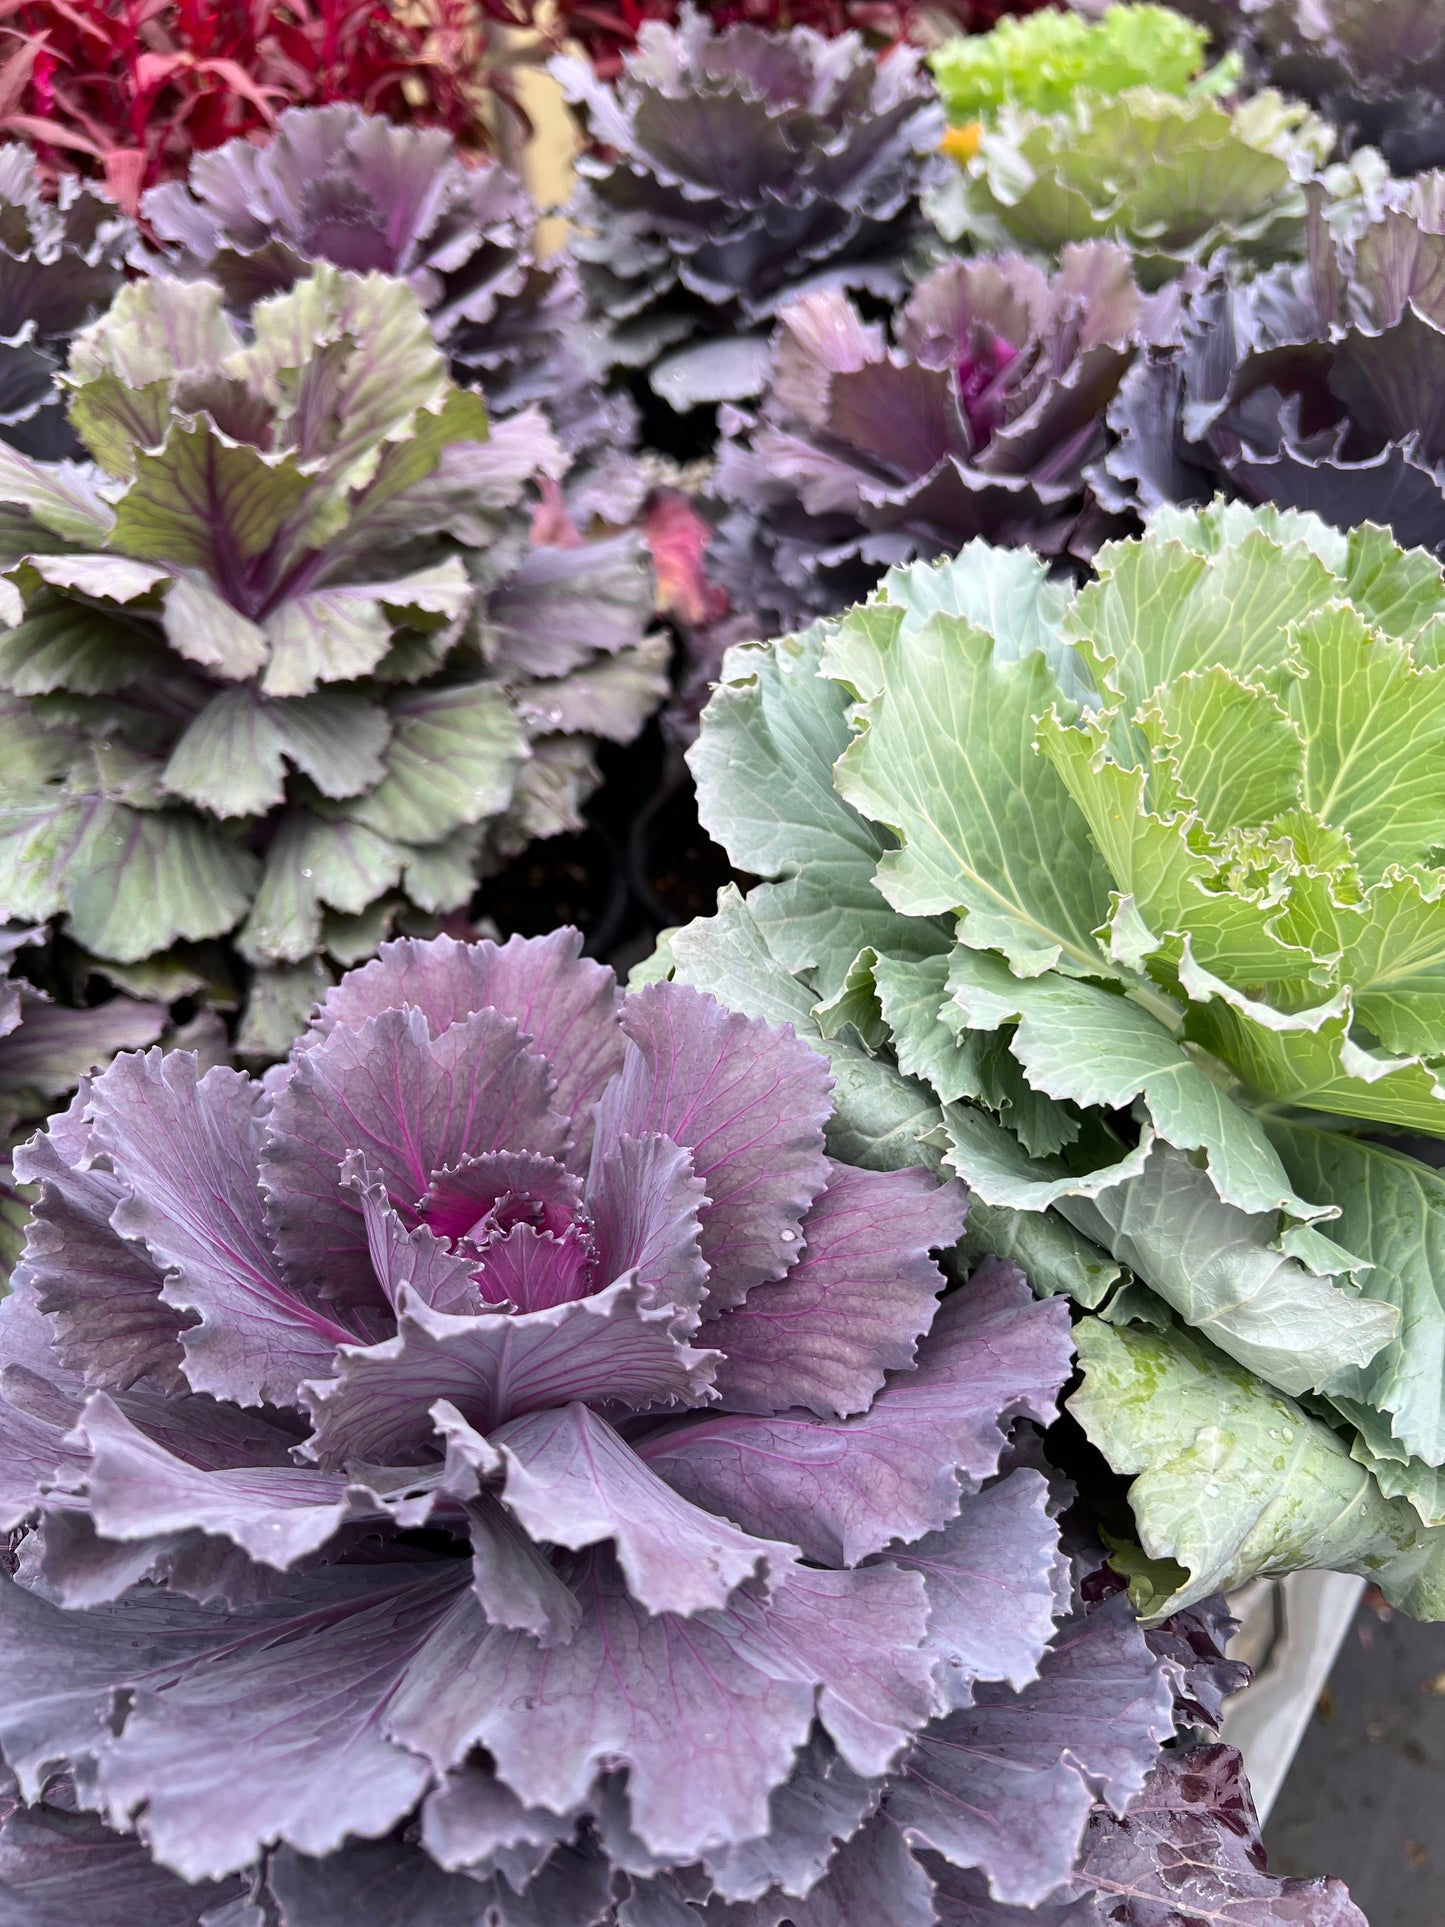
(641, 863)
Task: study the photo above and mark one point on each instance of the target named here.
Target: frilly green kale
(1042, 60)
(1175, 177)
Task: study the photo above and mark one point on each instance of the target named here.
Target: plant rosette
(1046, 58)
(336, 184)
(734, 169)
(506, 1460)
(1067, 131)
(981, 416)
(1125, 905)
(1376, 68)
(1312, 386)
(287, 662)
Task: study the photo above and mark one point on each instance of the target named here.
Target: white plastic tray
(1290, 1631)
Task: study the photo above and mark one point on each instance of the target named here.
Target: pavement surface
(1365, 1797)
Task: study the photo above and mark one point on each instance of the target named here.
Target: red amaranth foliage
(608, 28)
(130, 89)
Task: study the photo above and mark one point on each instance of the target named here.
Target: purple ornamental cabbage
(1315, 387)
(61, 262)
(735, 169)
(336, 184)
(978, 420)
(45, 1049)
(1374, 67)
(502, 1465)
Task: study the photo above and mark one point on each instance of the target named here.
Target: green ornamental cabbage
(1066, 132)
(1128, 905)
(1040, 61)
(286, 661)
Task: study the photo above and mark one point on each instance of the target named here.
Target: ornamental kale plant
(286, 663)
(979, 418)
(1314, 387)
(61, 262)
(1140, 890)
(1042, 61)
(588, 1472)
(1174, 178)
(338, 185)
(1375, 67)
(735, 170)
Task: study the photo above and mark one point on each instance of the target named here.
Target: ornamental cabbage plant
(1134, 895)
(1375, 67)
(338, 185)
(286, 662)
(1042, 61)
(1314, 387)
(507, 1460)
(737, 169)
(61, 262)
(1173, 177)
(979, 418)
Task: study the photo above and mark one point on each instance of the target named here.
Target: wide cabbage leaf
(1139, 887)
(735, 169)
(512, 1423)
(1234, 1480)
(287, 657)
(979, 418)
(336, 184)
(1190, 1845)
